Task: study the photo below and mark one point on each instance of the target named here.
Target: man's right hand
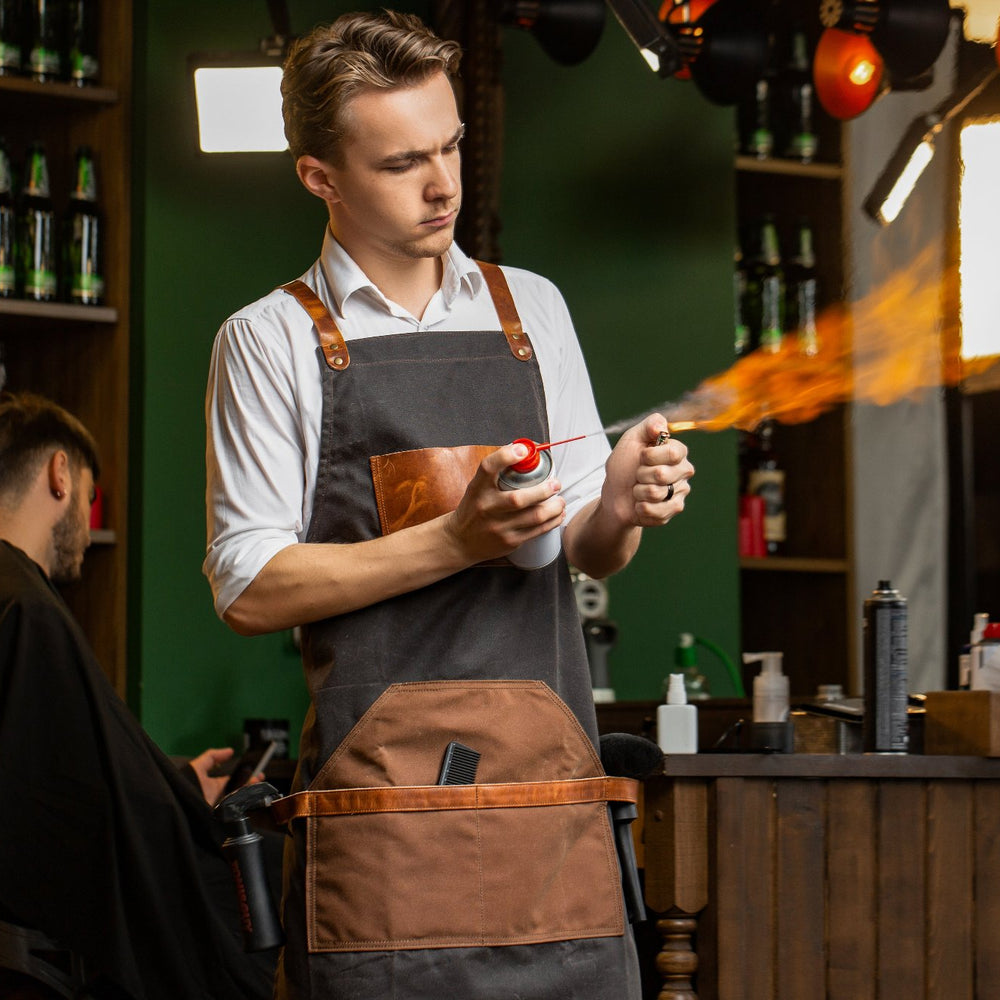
(490, 522)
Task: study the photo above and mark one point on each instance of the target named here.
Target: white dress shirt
(264, 404)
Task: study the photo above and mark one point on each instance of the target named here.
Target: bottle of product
(968, 660)
(741, 331)
(770, 688)
(8, 216)
(886, 672)
(796, 133)
(81, 42)
(677, 721)
(756, 135)
(986, 669)
(533, 469)
(772, 287)
(36, 232)
(10, 37)
(686, 661)
(766, 479)
(802, 291)
(82, 244)
(44, 48)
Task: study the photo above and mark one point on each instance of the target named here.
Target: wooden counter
(807, 877)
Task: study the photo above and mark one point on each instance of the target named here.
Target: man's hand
(646, 484)
(490, 522)
(203, 765)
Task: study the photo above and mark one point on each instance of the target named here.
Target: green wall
(630, 213)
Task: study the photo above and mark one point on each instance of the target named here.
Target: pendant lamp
(567, 30)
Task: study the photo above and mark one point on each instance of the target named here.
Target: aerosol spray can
(533, 469)
(885, 664)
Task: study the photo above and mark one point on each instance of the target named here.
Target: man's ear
(60, 475)
(316, 177)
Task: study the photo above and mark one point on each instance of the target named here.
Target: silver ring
(670, 491)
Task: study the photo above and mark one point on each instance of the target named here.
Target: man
(357, 428)
(105, 847)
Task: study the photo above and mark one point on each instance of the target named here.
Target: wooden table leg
(677, 962)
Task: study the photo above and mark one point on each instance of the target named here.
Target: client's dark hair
(31, 427)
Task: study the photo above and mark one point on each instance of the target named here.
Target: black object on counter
(885, 665)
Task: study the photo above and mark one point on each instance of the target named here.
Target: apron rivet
(338, 361)
(521, 352)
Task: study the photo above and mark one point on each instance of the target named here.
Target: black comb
(459, 765)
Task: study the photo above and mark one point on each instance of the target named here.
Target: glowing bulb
(862, 73)
(239, 109)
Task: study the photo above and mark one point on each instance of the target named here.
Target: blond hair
(332, 64)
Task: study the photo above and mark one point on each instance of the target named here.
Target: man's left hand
(646, 484)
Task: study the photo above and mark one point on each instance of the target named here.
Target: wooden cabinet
(79, 355)
(801, 601)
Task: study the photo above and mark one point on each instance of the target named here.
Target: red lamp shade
(847, 71)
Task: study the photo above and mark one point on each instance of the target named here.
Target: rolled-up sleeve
(255, 455)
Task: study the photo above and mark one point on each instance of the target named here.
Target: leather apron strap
(430, 798)
(335, 347)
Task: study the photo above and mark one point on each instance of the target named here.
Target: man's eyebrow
(414, 154)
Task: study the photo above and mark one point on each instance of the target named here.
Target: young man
(358, 423)
(104, 846)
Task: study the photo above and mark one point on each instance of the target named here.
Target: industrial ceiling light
(847, 73)
(906, 36)
(916, 150)
(238, 95)
(567, 30)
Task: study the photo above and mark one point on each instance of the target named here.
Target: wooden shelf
(790, 168)
(794, 564)
(58, 311)
(56, 93)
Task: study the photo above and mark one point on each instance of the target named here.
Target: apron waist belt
(430, 798)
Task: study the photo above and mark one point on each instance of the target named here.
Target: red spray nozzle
(531, 460)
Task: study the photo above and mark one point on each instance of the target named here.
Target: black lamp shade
(734, 50)
(567, 30)
(910, 34)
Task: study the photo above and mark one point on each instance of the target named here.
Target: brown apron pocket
(412, 487)
(392, 864)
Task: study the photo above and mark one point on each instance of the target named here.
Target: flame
(891, 345)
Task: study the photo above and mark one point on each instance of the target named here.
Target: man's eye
(399, 168)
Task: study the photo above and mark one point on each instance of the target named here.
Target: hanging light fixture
(567, 30)
(238, 94)
(903, 37)
(847, 72)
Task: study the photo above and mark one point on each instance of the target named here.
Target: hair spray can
(885, 664)
(533, 469)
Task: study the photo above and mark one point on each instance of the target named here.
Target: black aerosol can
(885, 664)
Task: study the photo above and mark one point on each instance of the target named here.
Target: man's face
(71, 534)
(399, 188)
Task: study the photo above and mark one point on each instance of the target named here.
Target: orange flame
(891, 345)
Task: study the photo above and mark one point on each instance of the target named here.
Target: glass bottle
(756, 135)
(44, 48)
(81, 42)
(741, 331)
(802, 291)
(798, 139)
(10, 37)
(36, 236)
(767, 480)
(82, 245)
(770, 280)
(7, 226)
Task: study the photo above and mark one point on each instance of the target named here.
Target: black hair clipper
(459, 765)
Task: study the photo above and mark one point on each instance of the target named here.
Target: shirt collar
(344, 278)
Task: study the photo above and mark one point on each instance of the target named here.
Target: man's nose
(444, 180)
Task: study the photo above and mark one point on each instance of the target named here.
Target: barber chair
(32, 954)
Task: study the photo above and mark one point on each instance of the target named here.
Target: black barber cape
(104, 845)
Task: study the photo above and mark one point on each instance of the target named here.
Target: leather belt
(431, 798)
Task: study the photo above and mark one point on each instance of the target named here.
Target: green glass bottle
(796, 101)
(8, 217)
(36, 232)
(10, 37)
(802, 291)
(771, 282)
(741, 330)
(81, 46)
(82, 244)
(44, 47)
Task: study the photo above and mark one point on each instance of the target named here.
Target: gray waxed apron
(396, 887)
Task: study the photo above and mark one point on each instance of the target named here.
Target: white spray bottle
(677, 721)
(770, 688)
